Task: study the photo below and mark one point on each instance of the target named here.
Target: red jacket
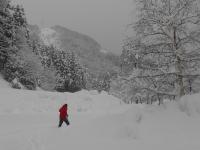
(63, 112)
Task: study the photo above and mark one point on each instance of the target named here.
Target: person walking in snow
(63, 115)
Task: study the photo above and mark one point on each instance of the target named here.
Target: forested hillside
(53, 58)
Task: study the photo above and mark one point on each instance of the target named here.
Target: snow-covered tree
(70, 74)
(165, 50)
(17, 61)
(5, 32)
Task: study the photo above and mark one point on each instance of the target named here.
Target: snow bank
(98, 121)
(190, 105)
(3, 83)
(25, 101)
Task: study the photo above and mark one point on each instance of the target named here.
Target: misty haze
(99, 74)
(104, 20)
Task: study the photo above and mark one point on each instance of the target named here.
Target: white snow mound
(3, 83)
(190, 104)
(29, 120)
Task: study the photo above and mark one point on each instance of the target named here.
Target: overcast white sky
(104, 20)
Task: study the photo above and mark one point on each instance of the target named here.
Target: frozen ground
(29, 119)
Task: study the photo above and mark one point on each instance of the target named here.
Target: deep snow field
(29, 119)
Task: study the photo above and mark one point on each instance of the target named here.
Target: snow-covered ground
(29, 119)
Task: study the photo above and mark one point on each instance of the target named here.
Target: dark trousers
(63, 120)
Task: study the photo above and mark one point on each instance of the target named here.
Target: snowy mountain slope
(50, 37)
(88, 50)
(98, 121)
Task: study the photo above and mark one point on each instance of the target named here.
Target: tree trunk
(159, 100)
(180, 86)
(190, 86)
(178, 67)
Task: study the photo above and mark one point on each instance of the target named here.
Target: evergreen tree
(5, 32)
(69, 72)
(70, 75)
(16, 57)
